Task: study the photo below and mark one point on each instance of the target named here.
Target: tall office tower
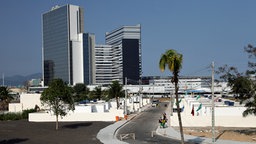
(89, 58)
(63, 54)
(127, 39)
(104, 64)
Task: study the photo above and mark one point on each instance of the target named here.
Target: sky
(203, 31)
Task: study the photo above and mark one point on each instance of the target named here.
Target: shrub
(10, 116)
(16, 116)
(26, 112)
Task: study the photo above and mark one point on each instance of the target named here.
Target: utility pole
(213, 118)
(3, 79)
(125, 101)
(171, 96)
(140, 92)
(153, 89)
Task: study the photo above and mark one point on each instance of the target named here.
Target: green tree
(96, 93)
(80, 92)
(242, 84)
(245, 88)
(116, 91)
(173, 61)
(5, 97)
(58, 97)
(251, 51)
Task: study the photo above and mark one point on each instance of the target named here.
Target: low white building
(27, 101)
(225, 115)
(202, 83)
(95, 111)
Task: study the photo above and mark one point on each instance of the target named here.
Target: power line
(208, 68)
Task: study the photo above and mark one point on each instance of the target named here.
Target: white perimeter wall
(90, 112)
(101, 111)
(72, 116)
(27, 101)
(225, 116)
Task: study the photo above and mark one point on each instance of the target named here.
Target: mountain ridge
(19, 80)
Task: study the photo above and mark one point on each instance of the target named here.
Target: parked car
(155, 102)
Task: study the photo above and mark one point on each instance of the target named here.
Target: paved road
(143, 124)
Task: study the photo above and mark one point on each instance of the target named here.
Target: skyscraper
(103, 64)
(89, 58)
(63, 45)
(127, 41)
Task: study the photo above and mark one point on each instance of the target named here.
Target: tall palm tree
(5, 97)
(96, 93)
(173, 61)
(116, 91)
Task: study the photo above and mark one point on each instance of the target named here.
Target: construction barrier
(117, 118)
(125, 117)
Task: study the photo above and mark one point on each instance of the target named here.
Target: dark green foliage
(97, 93)
(251, 51)
(26, 112)
(58, 96)
(5, 97)
(228, 74)
(16, 116)
(243, 84)
(80, 92)
(245, 88)
(116, 91)
(10, 116)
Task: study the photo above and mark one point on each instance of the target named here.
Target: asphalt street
(143, 125)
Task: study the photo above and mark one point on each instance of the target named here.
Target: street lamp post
(213, 119)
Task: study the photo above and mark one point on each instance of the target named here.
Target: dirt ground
(236, 134)
(24, 132)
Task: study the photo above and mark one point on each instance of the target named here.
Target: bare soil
(231, 133)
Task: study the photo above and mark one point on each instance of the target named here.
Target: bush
(16, 116)
(26, 112)
(10, 116)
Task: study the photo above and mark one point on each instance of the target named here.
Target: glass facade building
(62, 41)
(88, 58)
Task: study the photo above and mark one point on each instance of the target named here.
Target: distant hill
(19, 80)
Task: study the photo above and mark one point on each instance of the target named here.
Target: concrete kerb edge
(115, 132)
(158, 133)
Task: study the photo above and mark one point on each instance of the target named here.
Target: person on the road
(162, 122)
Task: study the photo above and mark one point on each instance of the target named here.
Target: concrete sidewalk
(107, 135)
(172, 133)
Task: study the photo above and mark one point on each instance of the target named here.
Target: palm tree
(116, 91)
(80, 92)
(173, 61)
(5, 97)
(96, 93)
